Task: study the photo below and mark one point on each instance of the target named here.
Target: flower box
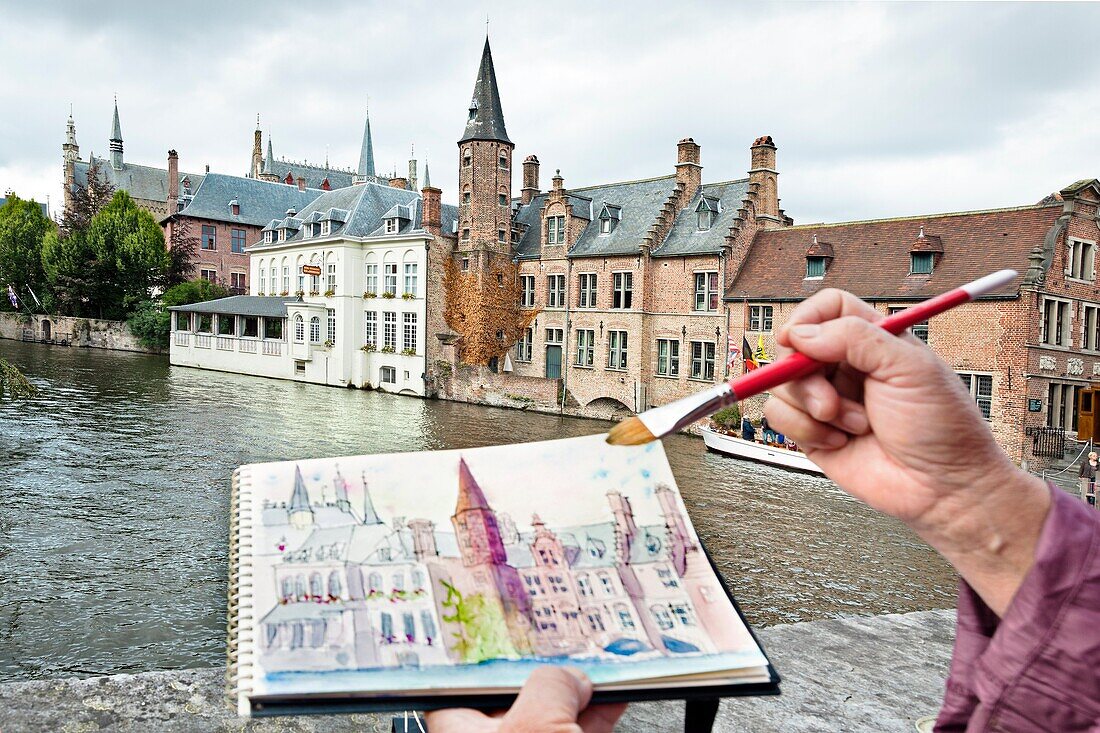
(388, 349)
(388, 295)
(408, 352)
(368, 295)
(330, 293)
(369, 347)
(408, 296)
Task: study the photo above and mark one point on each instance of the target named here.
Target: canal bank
(877, 673)
(116, 483)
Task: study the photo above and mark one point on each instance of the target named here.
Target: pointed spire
(269, 161)
(427, 178)
(369, 515)
(257, 120)
(299, 500)
(486, 120)
(116, 128)
(470, 495)
(116, 141)
(366, 153)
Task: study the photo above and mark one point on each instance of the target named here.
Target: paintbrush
(661, 421)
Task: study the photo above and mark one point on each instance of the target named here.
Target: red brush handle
(798, 365)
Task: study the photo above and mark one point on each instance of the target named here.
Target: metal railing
(1047, 442)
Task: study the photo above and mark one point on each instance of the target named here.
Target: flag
(13, 297)
(732, 352)
(750, 358)
(761, 354)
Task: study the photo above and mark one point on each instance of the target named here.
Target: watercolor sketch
(388, 572)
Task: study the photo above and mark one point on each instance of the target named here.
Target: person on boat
(1088, 478)
(893, 426)
(748, 432)
(769, 434)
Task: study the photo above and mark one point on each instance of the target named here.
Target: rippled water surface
(114, 489)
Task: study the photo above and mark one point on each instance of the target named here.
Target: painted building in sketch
(355, 592)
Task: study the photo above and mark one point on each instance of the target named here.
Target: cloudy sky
(877, 109)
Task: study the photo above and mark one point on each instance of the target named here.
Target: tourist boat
(776, 456)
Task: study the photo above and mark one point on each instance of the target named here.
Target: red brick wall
(222, 260)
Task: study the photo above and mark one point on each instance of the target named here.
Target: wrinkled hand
(894, 427)
(553, 700)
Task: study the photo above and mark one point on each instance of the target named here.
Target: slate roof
(640, 203)
(260, 201)
(241, 305)
(366, 205)
(685, 238)
(486, 120)
(314, 174)
(141, 181)
(871, 258)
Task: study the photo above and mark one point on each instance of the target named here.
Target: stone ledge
(877, 673)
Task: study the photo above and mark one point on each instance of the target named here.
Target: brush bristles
(631, 431)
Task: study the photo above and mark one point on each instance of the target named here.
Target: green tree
(483, 631)
(151, 324)
(13, 383)
(107, 268)
(193, 291)
(23, 227)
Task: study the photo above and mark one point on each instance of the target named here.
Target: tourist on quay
(748, 432)
(1088, 478)
(895, 428)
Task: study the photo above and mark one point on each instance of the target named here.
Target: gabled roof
(140, 181)
(872, 258)
(259, 201)
(685, 238)
(486, 120)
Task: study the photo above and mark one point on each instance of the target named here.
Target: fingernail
(806, 330)
(836, 440)
(854, 422)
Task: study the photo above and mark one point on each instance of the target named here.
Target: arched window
(299, 328)
(330, 272)
(467, 158)
(370, 282)
(301, 275)
(315, 586)
(315, 280)
(626, 620)
(502, 159)
(286, 277)
(466, 194)
(375, 581)
(582, 584)
(263, 278)
(389, 272)
(399, 581)
(411, 275)
(315, 330)
(274, 278)
(299, 587)
(660, 615)
(288, 589)
(334, 585)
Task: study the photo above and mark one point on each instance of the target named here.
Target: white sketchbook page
(488, 560)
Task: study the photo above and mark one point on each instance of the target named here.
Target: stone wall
(70, 331)
(477, 384)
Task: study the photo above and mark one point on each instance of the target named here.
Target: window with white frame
(326, 228)
(299, 328)
(274, 279)
(286, 279)
(706, 291)
(301, 279)
(760, 318)
(616, 349)
(702, 360)
(586, 293)
(586, 347)
(980, 387)
(605, 225)
(372, 278)
(388, 375)
(1056, 322)
(409, 332)
(554, 335)
(315, 330)
(263, 280)
(389, 334)
(668, 357)
(330, 277)
(527, 297)
(1062, 406)
(410, 279)
(392, 225)
(920, 330)
(622, 289)
(1081, 260)
(555, 291)
(371, 335)
(391, 277)
(523, 346)
(1090, 335)
(331, 326)
(555, 230)
(269, 237)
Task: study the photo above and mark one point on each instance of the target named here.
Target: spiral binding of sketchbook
(238, 647)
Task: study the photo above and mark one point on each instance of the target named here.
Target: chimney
(301, 183)
(173, 181)
(423, 537)
(764, 179)
(688, 171)
(399, 183)
(557, 180)
(530, 179)
(431, 215)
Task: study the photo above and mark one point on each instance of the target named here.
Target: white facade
(360, 322)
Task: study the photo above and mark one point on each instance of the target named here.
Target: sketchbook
(435, 579)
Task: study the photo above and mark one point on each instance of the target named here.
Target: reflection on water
(114, 497)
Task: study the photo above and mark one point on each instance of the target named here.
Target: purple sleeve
(1038, 668)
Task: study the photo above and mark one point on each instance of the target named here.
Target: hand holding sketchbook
(423, 580)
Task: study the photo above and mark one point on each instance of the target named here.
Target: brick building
(1025, 351)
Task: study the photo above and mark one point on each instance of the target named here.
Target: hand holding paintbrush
(660, 421)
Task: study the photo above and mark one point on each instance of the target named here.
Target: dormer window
(605, 226)
(284, 234)
(326, 228)
(921, 263)
(269, 237)
(235, 207)
(392, 225)
(706, 213)
(815, 267)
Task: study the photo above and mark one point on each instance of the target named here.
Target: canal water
(114, 492)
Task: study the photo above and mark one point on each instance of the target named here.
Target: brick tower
(485, 173)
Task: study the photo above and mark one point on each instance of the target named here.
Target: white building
(337, 296)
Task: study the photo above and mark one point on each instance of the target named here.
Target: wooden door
(1088, 428)
(553, 362)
